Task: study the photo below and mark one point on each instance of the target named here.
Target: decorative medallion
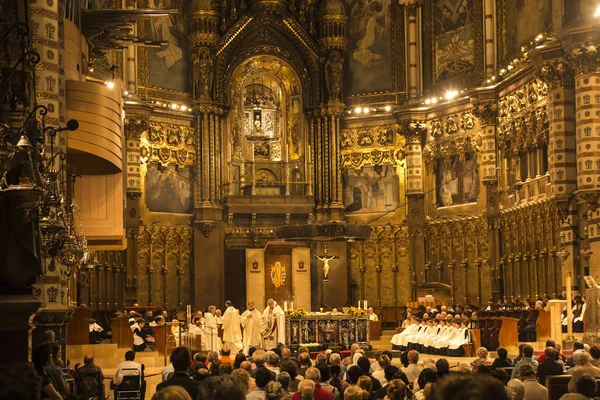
(278, 274)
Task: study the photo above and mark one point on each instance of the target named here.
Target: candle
(285, 306)
(365, 304)
(359, 304)
(292, 306)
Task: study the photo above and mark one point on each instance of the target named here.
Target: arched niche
(266, 126)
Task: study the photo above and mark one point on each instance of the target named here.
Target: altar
(321, 331)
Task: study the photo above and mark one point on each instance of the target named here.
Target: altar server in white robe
(273, 329)
(412, 338)
(210, 329)
(433, 334)
(450, 335)
(232, 334)
(251, 322)
(462, 337)
(399, 339)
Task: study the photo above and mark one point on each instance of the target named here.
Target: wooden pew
(121, 332)
(543, 327)
(78, 330)
(375, 330)
(509, 331)
(160, 338)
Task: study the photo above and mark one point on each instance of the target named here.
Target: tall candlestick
(292, 306)
(285, 306)
(365, 304)
(359, 304)
(569, 305)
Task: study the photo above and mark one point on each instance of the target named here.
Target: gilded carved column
(413, 16)
(586, 61)
(326, 133)
(562, 156)
(415, 130)
(328, 169)
(489, 9)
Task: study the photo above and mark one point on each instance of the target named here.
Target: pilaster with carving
(325, 126)
(558, 75)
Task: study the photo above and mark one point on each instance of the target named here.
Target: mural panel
(167, 66)
(369, 56)
(168, 190)
(457, 180)
(524, 20)
(454, 30)
(371, 189)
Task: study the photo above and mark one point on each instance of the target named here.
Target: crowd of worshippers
(278, 375)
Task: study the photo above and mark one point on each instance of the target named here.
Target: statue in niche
(237, 140)
(257, 130)
(203, 66)
(295, 139)
(333, 75)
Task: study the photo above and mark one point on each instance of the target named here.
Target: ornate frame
(145, 89)
(398, 93)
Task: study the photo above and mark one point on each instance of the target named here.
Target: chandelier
(36, 183)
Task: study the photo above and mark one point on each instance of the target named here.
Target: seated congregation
(280, 374)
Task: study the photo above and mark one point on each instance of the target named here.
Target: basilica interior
(167, 153)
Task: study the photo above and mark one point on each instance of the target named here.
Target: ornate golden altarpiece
(327, 331)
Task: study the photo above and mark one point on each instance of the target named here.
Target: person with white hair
(583, 366)
(515, 389)
(273, 325)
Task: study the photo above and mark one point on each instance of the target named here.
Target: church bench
(557, 386)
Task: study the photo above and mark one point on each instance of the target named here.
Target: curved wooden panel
(99, 112)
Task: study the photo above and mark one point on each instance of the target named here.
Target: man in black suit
(181, 360)
(550, 366)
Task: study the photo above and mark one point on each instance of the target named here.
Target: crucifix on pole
(325, 258)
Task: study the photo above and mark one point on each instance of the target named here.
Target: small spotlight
(434, 100)
(366, 110)
(428, 101)
(597, 15)
(388, 108)
(502, 71)
(451, 94)
(173, 106)
(358, 110)
(510, 67)
(126, 93)
(110, 85)
(183, 108)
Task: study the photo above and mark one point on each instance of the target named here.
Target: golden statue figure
(333, 75)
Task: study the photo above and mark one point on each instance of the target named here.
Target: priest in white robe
(251, 322)
(232, 334)
(211, 331)
(273, 329)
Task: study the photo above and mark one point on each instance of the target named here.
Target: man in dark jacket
(550, 366)
(181, 360)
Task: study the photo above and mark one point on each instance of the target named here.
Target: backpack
(89, 387)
